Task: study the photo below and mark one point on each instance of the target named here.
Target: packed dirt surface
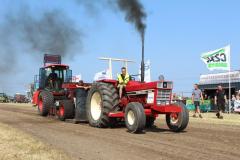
(201, 140)
(18, 145)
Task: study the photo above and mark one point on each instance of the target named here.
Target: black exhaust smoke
(50, 31)
(136, 15)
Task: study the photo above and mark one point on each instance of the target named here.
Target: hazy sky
(177, 33)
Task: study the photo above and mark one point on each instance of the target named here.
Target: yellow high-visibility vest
(123, 81)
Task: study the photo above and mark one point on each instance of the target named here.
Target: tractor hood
(138, 86)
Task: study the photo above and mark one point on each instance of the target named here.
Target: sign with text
(218, 59)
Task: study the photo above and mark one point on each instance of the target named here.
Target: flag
(77, 78)
(147, 71)
(102, 75)
(218, 59)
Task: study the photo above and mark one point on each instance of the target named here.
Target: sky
(177, 33)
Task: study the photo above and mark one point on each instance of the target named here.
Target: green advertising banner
(204, 107)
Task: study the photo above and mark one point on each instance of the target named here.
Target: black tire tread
(184, 119)
(106, 91)
(68, 110)
(140, 116)
(48, 102)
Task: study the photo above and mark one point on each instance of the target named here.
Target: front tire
(177, 122)
(135, 118)
(45, 102)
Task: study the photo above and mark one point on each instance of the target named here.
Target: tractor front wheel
(178, 121)
(45, 101)
(135, 118)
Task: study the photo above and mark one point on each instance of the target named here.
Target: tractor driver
(123, 79)
(52, 78)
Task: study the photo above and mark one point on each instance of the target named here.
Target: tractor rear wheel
(101, 100)
(135, 118)
(66, 110)
(178, 121)
(45, 102)
(150, 121)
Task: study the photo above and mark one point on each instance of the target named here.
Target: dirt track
(199, 141)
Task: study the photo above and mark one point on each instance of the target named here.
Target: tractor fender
(35, 97)
(111, 81)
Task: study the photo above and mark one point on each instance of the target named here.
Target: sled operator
(123, 79)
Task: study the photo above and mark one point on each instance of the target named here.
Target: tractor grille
(163, 97)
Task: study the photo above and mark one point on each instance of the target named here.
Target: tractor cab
(53, 74)
(49, 93)
(52, 77)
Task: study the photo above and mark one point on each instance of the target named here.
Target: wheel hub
(96, 109)
(130, 117)
(174, 118)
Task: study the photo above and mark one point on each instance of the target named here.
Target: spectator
(220, 101)
(236, 106)
(81, 84)
(232, 102)
(237, 97)
(206, 97)
(197, 96)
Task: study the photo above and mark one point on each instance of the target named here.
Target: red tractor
(49, 96)
(139, 108)
(101, 106)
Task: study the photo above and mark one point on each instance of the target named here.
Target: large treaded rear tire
(66, 110)
(45, 102)
(115, 95)
(182, 120)
(135, 118)
(101, 100)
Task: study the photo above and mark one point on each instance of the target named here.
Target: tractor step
(121, 114)
(116, 114)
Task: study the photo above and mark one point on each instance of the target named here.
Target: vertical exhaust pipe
(142, 63)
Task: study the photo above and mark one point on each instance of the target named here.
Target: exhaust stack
(142, 62)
